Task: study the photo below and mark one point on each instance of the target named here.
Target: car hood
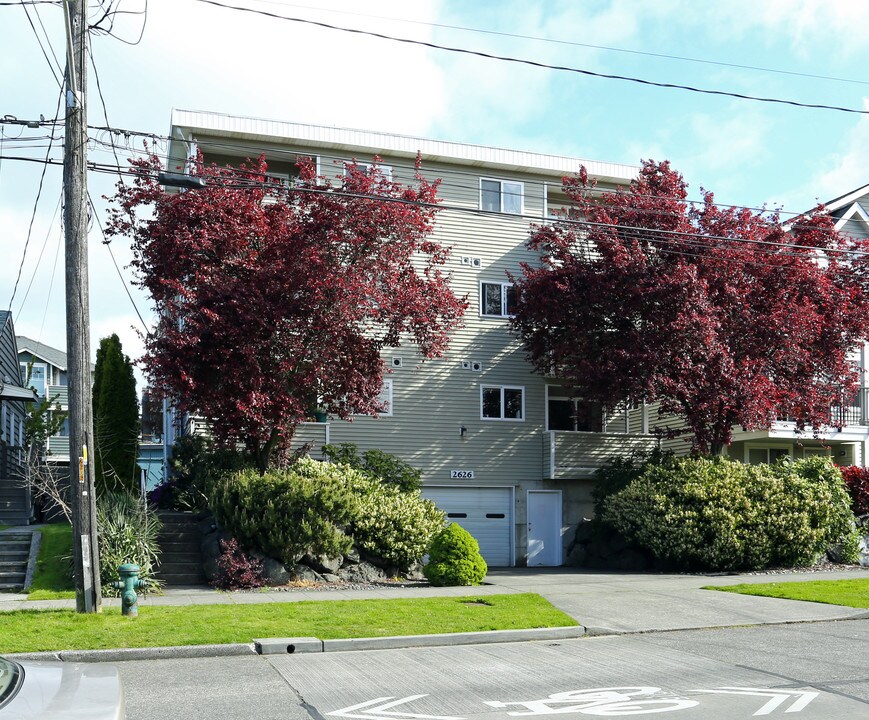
(66, 691)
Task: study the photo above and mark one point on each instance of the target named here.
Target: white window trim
(44, 366)
(504, 286)
(501, 195)
(387, 384)
(502, 388)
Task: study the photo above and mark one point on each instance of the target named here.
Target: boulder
(363, 572)
(352, 557)
(323, 563)
(275, 573)
(330, 578)
(304, 573)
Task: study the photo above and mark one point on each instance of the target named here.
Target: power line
(42, 47)
(571, 43)
(535, 63)
(35, 206)
(108, 246)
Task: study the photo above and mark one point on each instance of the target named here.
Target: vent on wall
(397, 362)
(472, 261)
(474, 365)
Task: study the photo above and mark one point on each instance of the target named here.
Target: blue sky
(199, 57)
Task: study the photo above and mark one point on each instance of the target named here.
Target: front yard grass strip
(158, 626)
(52, 579)
(851, 593)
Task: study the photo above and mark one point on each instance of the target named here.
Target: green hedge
(719, 514)
(321, 508)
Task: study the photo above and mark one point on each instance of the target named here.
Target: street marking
(777, 697)
(610, 702)
(385, 710)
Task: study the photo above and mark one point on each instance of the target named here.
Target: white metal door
(544, 527)
(485, 512)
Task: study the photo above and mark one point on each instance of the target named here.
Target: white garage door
(485, 512)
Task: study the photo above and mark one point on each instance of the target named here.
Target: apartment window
(502, 402)
(34, 375)
(766, 455)
(501, 196)
(385, 171)
(385, 398)
(497, 299)
(574, 414)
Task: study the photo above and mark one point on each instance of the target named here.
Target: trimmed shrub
(857, 481)
(386, 468)
(396, 526)
(454, 558)
(236, 570)
(128, 529)
(288, 513)
(718, 514)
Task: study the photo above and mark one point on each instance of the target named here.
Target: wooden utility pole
(88, 597)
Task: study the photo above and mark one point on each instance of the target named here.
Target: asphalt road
(816, 671)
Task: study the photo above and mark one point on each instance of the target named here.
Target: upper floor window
(575, 414)
(384, 171)
(34, 375)
(502, 402)
(501, 196)
(498, 299)
(385, 398)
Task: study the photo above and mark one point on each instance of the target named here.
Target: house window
(502, 402)
(33, 375)
(497, 299)
(385, 397)
(574, 414)
(385, 171)
(766, 455)
(501, 196)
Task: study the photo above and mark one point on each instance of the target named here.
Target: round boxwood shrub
(719, 514)
(454, 558)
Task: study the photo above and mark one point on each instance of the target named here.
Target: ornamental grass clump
(128, 528)
(699, 513)
(454, 558)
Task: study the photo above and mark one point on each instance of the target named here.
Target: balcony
(57, 448)
(853, 410)
(59, 394)
(569, 455)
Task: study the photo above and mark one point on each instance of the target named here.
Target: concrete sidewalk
(603, 602)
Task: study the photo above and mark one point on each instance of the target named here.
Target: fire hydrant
(129, 583)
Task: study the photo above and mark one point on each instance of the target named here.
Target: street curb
(284, 646)
(153, 653)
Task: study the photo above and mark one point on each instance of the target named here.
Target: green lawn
(52, 579)
(35, 630)
(852, 593)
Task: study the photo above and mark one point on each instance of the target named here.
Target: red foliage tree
(722, 315)
(272, 300)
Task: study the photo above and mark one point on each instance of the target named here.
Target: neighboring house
(498, 445)
(43, 368)
(15, 500)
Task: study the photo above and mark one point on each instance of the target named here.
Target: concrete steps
(14, 557)
(181, 557)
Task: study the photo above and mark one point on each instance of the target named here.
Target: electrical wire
(41, 253)
(572, 43)
(538, 64)
(35, 206)
(107, 243)
(42, 47)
